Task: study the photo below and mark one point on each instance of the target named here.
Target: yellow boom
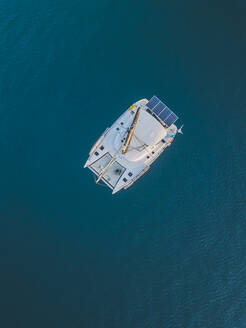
(131, 131)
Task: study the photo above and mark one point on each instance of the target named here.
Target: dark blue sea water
(168, 252)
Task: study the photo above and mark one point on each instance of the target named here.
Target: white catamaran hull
(137, 138)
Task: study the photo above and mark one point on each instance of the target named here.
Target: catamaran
(136, 139)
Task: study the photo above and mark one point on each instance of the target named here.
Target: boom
(131, 131)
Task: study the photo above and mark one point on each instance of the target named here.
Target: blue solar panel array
(162, 111)
(153, 102)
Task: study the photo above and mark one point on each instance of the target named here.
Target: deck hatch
(162, 111)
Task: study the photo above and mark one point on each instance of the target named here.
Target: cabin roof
(149, 129)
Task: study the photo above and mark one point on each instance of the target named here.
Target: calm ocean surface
(170, 251)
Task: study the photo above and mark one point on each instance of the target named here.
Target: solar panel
(153, 102)
(165, 113)
(158, 108)
(162, 111)
(171, 119)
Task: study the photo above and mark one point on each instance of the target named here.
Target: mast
(131, 131)
(126, 145)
